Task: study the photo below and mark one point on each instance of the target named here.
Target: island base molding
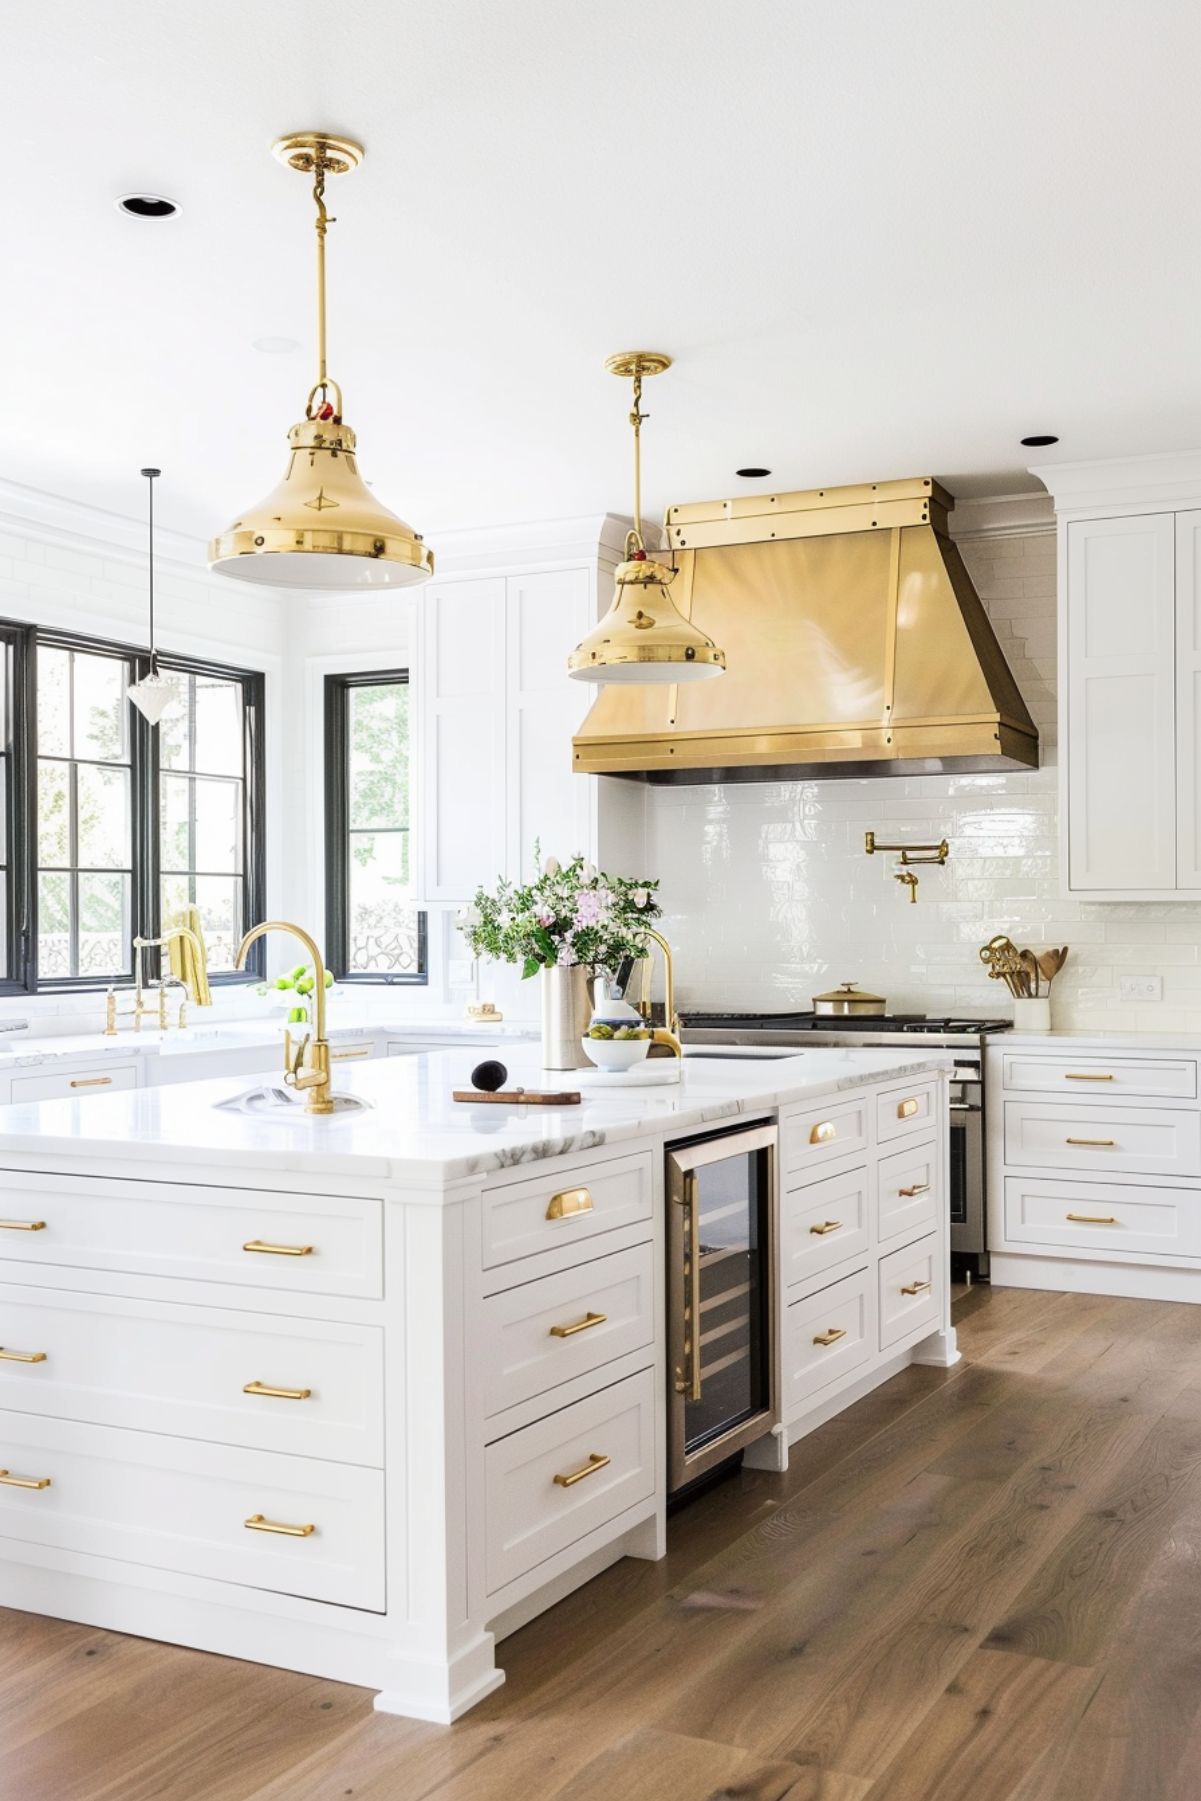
(1075, 1275)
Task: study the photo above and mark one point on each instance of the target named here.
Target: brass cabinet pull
(256, 1523)
(917, 1188)
(8, 1356)
(1071, 1076)
(569, 1202)
(1104, 1144)
(278, 1250)
(596, 1461)
(90, 1081)
(580, 1325)
(828, 1225)
(22, 1225)
(907, 1108)
(692, 1348)
(831, 1335)
(915, 1288)
(11, 1481)
(341, 1056)
(277, 1394)
(1093, 1219)
(823, 1132)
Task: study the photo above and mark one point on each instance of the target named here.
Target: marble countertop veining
(413, 1133)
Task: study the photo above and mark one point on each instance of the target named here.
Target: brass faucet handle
(294, 1063)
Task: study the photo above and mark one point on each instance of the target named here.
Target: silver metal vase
(566, 1011)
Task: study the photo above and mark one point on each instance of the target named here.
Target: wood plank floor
(979, 1584)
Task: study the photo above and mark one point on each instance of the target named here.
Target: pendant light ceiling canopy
(321, 528)
(155, 692)
(643, 637)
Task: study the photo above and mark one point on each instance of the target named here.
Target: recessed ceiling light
(1040, 440)
(276, 346)
(753, 474)
(147, 206)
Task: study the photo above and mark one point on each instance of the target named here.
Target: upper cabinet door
(463, 713)
(1121, 748)
(548, 613)
(1188, 699)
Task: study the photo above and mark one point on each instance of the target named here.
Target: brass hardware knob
(279, 1250)
(915, 1288)
(829, 1225)
(11, 1481)
(580, 1325)
(90, 1081)
(823, 1132)
(1103, 1144)
(596, 1461)
(256, 1523)
(1071, 1076)
(8, 1356)
(569, 1203)
(907, 1108)
(1093, 1219)
(22, 1225)
(917, 1188)
(277, 1394)
(831, 1336)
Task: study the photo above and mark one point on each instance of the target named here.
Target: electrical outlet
(1140, 988)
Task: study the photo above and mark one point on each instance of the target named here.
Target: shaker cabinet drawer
(819, 1136)
(826, 1337)
(553, 1483)
(911, 1290)
(251, 1238)
(1106, 1217)
(290, 1524)
(1151, 1141)
(73, 1084)
(906, 1112)
(521, 1219)
(909, 1194)
(548, 1331)
(1092, 1076)
(258, 1380)
(824, 1224)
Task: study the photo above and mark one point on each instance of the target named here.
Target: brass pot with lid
(847, 1000)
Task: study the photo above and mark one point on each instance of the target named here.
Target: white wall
(771, 898)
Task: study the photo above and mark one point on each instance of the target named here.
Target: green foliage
(565, 916)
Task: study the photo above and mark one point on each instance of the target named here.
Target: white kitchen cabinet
(1188, 701)
(545, 614)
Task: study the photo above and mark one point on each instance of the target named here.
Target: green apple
(329, 978)
(305, 985)
(300, 970)
(284, 982)
(298, 1016)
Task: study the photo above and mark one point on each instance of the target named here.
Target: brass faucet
(140, 1010)
(308, 1067)
(670, 1038)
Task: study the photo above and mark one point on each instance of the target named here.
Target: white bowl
(615, 1053)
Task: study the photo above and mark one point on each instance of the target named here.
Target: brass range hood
(855, 645)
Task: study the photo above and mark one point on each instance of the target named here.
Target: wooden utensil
(1051, 962)
(1031, 973)
(519, 1097)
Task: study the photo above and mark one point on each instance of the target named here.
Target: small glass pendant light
(155, 692)
(643, 637)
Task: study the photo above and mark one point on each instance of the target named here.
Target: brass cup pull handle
(277, 1394)
(1072, 1076)
(342, 1056)
(916, 1189)
(279, 1250)
(692, 1342)
(8, 1356)
(1101, 1144)
(586, 1324)
(22, 1225)
(569, 1203)
(907, 1108)
(831, 1335)
(915, 1287)
(823, 1132)
(91, 1081)
(1093, 1219)
(11, 1481)
(827, 1225)
(256, 1523)
(596, 1461)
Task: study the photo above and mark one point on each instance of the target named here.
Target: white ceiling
(880, 239)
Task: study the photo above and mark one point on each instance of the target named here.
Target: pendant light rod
(634, 364)
(150, 475)
(323, 222)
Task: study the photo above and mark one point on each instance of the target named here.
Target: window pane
(382, 925)
(54, 813)
(54, 702)
(218, 825)
(101, 709)
(219, 899)
(104, 924)
(54, 926)
(378, 755)
(173, 727)
(173, 821)
(103, 824)
(218, 735)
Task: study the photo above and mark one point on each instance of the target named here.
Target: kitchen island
(315, 1392)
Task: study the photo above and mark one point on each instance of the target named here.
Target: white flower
(588, 873)
(551, 866)
(641, 897)
(469, 919)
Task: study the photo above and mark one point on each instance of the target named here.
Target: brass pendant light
(321, 528)
(643, 637)
(155, 692)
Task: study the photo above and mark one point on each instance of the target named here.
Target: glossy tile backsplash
(770, 898)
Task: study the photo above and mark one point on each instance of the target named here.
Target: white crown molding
(74, 525)
(1124, 484)
(1003, 516)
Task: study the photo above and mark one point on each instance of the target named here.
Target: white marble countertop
(413, 1133)
(1101, 1041)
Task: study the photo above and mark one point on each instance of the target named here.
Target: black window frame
(338, 686)
(19, 644)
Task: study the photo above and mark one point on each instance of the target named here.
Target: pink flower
(566, 957)
(544, 916)
(591, 907)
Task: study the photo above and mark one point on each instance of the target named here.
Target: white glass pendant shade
(153, 695)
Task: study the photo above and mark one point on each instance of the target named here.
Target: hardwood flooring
(979, 1584)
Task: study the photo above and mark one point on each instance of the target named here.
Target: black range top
(842, 1022)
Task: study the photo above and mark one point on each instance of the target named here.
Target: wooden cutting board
(519, 1097)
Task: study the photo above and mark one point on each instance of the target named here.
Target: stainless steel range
(964, 1036)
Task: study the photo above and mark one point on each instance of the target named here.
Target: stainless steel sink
(741, 1056)
(278, 1101)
